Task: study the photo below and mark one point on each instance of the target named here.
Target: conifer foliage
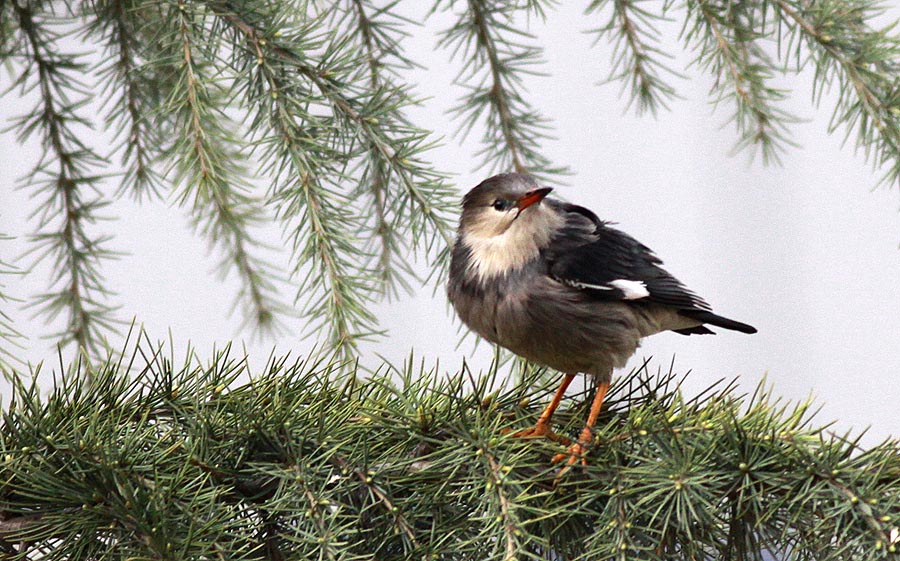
(250, 111)
(297, 112)
(302, 461)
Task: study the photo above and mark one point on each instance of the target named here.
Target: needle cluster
(639, 60)
(190, 460)
(749, 47)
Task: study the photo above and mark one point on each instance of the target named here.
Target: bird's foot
(541, 430)
(574, 454)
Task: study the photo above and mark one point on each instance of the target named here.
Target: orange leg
(576, 451)
(542, 427)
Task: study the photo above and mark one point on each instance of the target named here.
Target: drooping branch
(494, 60)
(638, 58)
(356, 124)
(208, 164)
(65, 181)
(864, 61)
(728, 42)
(128, 84)
(381, 42)
(8, 332)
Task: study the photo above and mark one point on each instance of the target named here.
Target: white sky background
(806, 252)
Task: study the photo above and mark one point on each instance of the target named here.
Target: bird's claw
(575, 453)
(541, 430)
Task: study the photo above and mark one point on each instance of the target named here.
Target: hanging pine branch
(638, 59)
(210, 165)
(242, 110)
(290, 86)
(744, 45)
(65, 180)
(379, 34)
(495, 55)
(730, 48)
(133, 93)
(323, 124)
(861, 62)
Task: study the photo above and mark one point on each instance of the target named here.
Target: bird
(554, 284)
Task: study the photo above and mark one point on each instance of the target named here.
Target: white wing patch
(631, 289)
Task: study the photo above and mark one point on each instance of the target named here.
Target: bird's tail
(719, 321)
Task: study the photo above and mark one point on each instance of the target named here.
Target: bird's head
(499, 202)
(505, 225)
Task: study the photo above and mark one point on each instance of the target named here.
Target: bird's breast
(491, 306)
(546, 322)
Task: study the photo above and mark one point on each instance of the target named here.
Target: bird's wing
(587, 254)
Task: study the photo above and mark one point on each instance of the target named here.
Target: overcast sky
(807, 252)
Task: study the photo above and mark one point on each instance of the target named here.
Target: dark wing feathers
(715, 319)
(587, 253)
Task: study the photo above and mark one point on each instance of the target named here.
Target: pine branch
(735, 41)
(319, 91)
(9, 335)
(324, 126)
(285, 75)
(209, 166)
(380, 38)
(323, 227)
(729, 39)
(64, 181)
(127, 87)
(638, 60)
(300, 462)
(485, 39)
(863, 61)
(395, 142)
(375, 52)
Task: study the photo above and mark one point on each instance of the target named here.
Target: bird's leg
(576, 451)
(542, 427)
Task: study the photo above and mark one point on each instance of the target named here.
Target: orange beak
(532, 197)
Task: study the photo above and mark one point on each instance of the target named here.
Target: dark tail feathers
(719, 321)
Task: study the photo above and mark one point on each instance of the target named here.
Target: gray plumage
(554, 284)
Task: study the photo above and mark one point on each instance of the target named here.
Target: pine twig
(66, 186)
(514, 131)
(287, 75)
(382, 55)
(209, 167)
(727, 38)
(638, 60)
(864, 61)
(127, 87)
(8, 332)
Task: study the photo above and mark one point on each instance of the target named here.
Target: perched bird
(554, 284)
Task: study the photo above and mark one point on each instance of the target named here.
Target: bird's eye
(500, 204)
